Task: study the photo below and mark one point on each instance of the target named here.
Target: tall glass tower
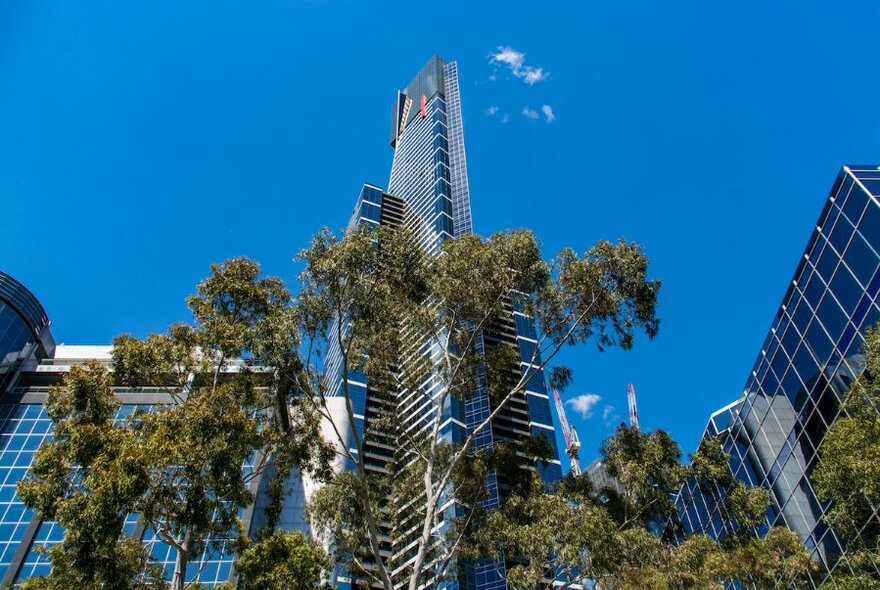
(428, 193)
(809, 358)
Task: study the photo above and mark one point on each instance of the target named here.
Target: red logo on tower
(423, 109)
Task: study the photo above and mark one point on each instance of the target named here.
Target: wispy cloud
(516, 61)
(530, 114)
(548, 112)
(505, 118)
(610, 415)
(492, 110)
(584, 404)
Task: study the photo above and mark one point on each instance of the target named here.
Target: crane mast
(633, 411)
(572, 443)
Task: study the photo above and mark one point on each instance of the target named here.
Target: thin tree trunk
(180, 563)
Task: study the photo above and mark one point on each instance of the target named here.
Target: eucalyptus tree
(414, 325)
(186, 468)
(848, 475)
(627, 536)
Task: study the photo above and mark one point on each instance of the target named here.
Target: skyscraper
(428, 193)
(810, 356)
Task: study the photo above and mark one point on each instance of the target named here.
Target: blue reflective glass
(861, 259)
(869, 226)
(832, 317)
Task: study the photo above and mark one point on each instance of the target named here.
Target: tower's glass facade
(810, 356)
(428, 193)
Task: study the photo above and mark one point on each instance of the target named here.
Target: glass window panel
(805, 364)
(790, 341)
(771, 382)
(814, 290)
(861, 259)
(846, 290)
(819, 342)
(873, 185)
(832, 317)
(855, 204)
(802, 316)
(827, 263)
(870, 223)
(793, 388)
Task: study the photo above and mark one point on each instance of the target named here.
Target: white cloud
(516, 61)
(532, 75)
(531, 114)
(505, 118)
(492, 110)
(548, 112)
(584, 404)
(609, 415)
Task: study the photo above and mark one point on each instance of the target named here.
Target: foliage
(646, 466)
(626, 536)
(431, 329)
(180, 466)
(281, 561)
(848, 474)
(88, 477)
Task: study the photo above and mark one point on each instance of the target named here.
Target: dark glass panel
(873, 186)
(771, 381)
(805, 365)
(855, 204)
(814, 290)
(819, 342)
(841, 235)
(861, 259)
(790, 340)
(793, 388)
(828, 223)
(832, 317)
(870, 224)
(846, 289)
(861, 310)
(826, 264)
(802, 316)
(844, 189)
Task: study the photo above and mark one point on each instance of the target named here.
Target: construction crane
(572, 444)
(633, 411)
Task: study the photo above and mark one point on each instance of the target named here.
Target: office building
(428, 193)
(809, 358)
(32, 364)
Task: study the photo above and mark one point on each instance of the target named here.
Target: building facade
(32, 364)
(809, 358)
(428, 193)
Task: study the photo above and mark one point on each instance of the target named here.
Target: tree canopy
(185, 467)
(848, 475)
(627, 535)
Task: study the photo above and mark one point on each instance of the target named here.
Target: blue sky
(140, 141)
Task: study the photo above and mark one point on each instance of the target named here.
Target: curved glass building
(24, 329)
